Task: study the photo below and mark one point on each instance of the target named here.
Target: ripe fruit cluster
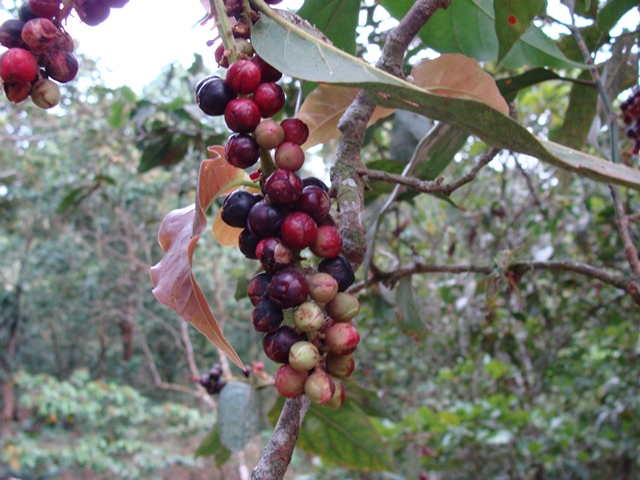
(630, 109)
(40, 51)
(300, 305)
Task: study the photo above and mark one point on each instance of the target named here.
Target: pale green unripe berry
(338, 397)
(308, 317)
(303, 356)
(343, 308)
(320, 386)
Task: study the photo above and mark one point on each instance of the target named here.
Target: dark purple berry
(236, 206)
(257, 288)
(242, 150)
(308, 181)
(283, 187)
(340, 269)
(288, 288)
(115, 3)
(247, 243)
(242, 115)
(93, 12)
(25, 14)
(61, 65)
(264, 220)
(266, 316)
(276, 345)
(11, 35)
(213, 95)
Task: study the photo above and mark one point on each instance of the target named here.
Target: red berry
(342, 338)
(268, 73)
(298, 230)
(242, 115)
(39, 34)
(270, 98)
(283, 187)
(289, 156)
(220, 56)
(243, 77)
(295, 130)
(290, 382)
(17, 92)
(45, 8)
(314, 201)
(18, 65)
(327, 243)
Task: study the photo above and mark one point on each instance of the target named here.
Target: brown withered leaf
(174, 283)
(323, 108)
(226, 235)
(458, 76)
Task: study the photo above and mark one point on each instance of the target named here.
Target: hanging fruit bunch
(299, 296)
(40, 51)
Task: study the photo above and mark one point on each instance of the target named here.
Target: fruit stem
(267, 165)
(225, 30)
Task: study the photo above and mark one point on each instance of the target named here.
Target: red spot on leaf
(512, 20)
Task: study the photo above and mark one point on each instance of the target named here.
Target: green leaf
(510, 86)
(612, 12)
(237, 415)
(513, 19)
(211, 446)
(410, 320)
(302, 56)
(583, 103)
(344, 437)
(337, 19)
(468, 27)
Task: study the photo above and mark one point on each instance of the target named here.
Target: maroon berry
(289, 156)
(45, 93)
(290, 382)
(39, 34)
(298, 230)
(308, 181)
(17, 92)
(270, 98)
(342, 338)
(269, 134)
(276, 345)
(283, 187)
(93, 12)
(327, 243)
(242, 151)
(340, 269)
(264, 220)
(267, 72)
(242, 115)
(257, 288)
(295, 130)
(115, 3)
(241, 30)
(319, 387)
(221, 58)
(18, 65)
(11, 34)
(247, 243)
(267, 317)
(314, 201)
(273, 254)
(236, 206)
(64, 42)
(288, 288)
(243, 77)
(213, 95)
(61, 65)
(45, 8)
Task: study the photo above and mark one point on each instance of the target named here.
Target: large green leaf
(513, 19)
(302, 56)
(337, 19)
(612, 12)
(468, 27)
(344, 437)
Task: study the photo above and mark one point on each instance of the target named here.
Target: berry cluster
(630, 109)
(40, 50)
(300, 305)
(212, 381)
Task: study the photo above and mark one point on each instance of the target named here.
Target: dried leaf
(323, 108)
(174, 283)
(225, 234)
(458, 76)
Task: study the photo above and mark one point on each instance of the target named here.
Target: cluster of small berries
(212, 381)
(300, 305)
(40, 50)
(630, 109)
